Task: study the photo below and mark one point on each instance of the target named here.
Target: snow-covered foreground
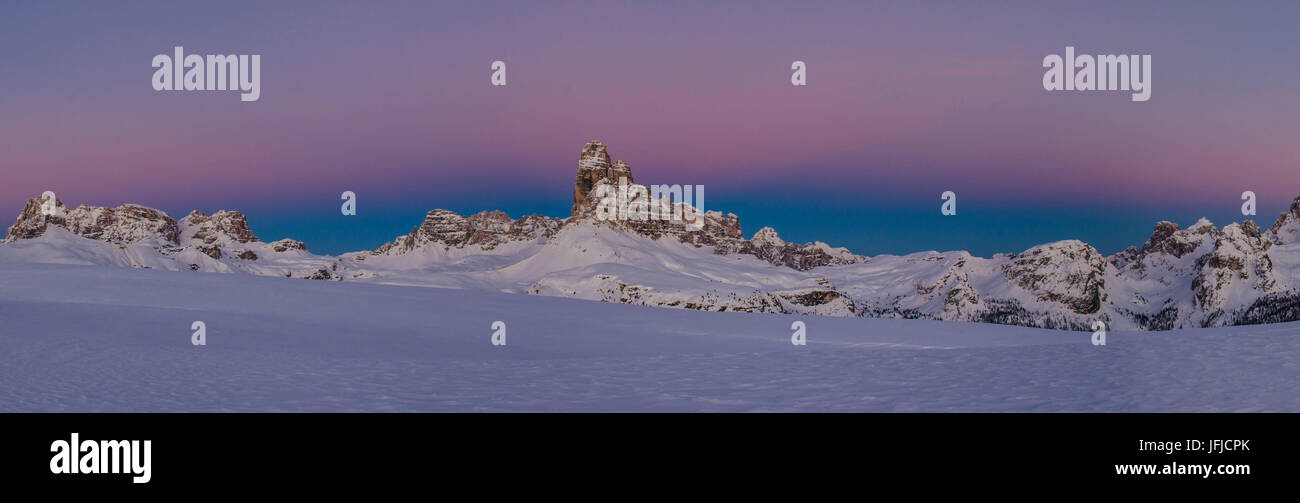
(84, 338)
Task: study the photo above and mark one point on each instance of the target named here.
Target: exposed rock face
(723, 233)
(1286, 229)
(1239, 259)
(1219, 267)
(1166, 238)
(324, 274)
(31, 222)
(223, 226)
(440, 226)
(126, 224)
(720, 231)
(149, 238)
(812, 298)
(593, 166)
(211, 251)
(287, 244)
(1168, 248)
(769, 246)
(489, 229)
(959, 298)
(1070, 273)
(486, 230)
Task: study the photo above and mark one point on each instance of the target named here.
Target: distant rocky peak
(491, 219)
(50, 206)
(1168, 238)
(1286, 229)
(1245, 236)
(767, 236)
(1162, 232)
(594, 156)
(1069, 272)
(1250, 228)
(485, 230)
(287, 244)
(593, 167)
(719, 231)
(125, 224)
(34, 219)
(220, 226)
(1238, 258)
(1294, 211)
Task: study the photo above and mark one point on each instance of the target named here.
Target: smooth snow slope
(84, 338)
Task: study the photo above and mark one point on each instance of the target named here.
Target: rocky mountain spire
(719, 231)
(593, 166)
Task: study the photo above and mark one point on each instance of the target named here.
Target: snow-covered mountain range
(1193, 277)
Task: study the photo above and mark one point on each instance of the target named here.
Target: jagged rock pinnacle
(593, 166)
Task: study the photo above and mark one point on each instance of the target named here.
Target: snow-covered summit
(132, 235)
(1286, 229)
(484, 231)
(125, 224)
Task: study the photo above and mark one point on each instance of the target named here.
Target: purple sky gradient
(905, 99)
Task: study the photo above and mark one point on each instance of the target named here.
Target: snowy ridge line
(1200, 276)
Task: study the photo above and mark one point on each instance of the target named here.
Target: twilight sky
(904, 100)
